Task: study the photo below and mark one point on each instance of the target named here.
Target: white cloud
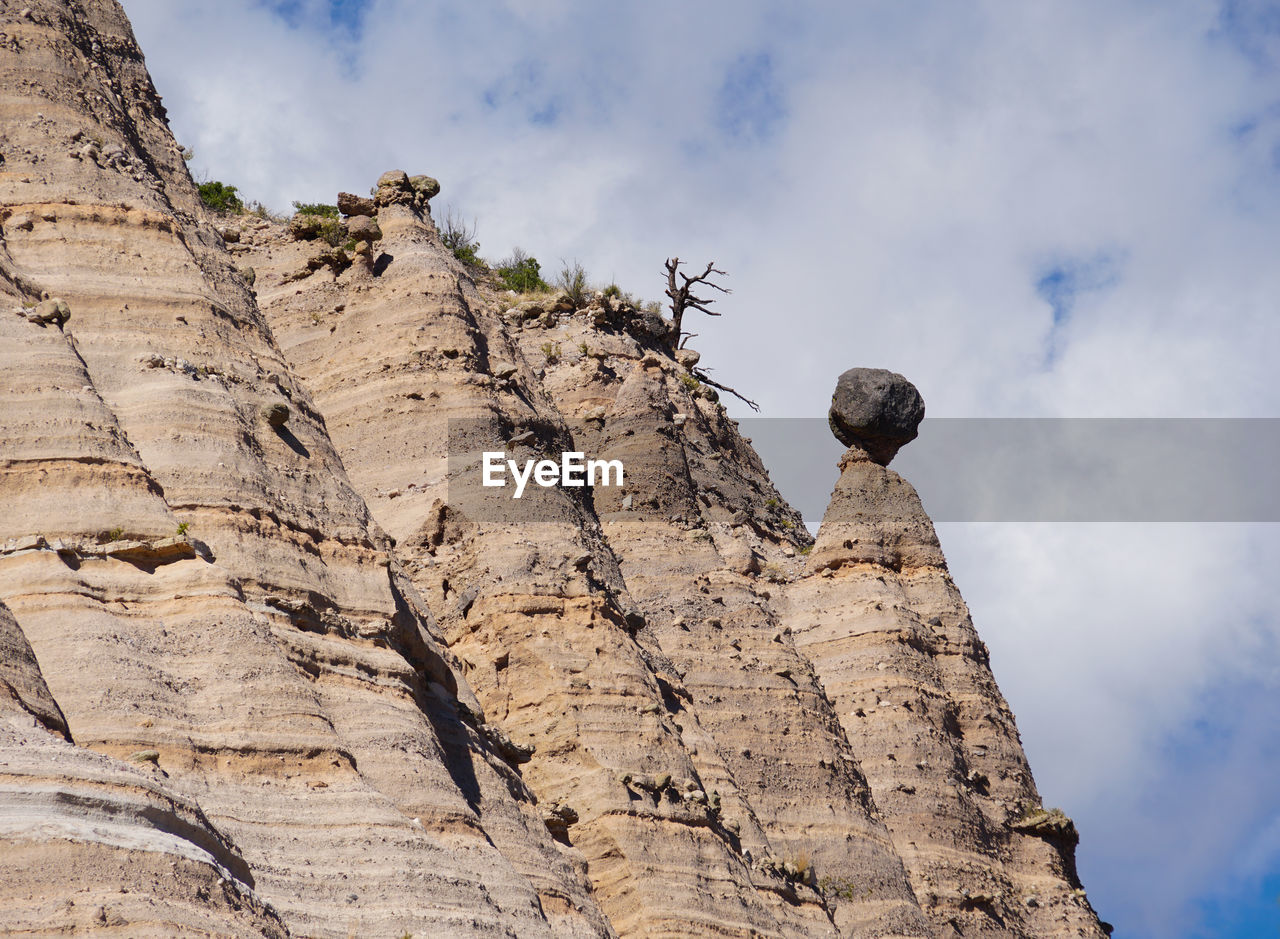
(921, 168)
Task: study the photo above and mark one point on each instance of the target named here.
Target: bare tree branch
(702, 377)
(683, 298)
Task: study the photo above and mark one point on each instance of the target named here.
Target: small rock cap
(877, 410)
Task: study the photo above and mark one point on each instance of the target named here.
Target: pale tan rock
(81, 832)
(540, 614)
(170, 642)
(316, 684)
(892, 642)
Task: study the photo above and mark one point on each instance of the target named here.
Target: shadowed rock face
(265, 671)
(876, 410)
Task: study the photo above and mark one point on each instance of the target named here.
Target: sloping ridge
(269, 667)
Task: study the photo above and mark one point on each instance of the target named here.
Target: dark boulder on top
(877, 410)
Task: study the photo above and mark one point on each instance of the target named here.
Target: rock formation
(875, 410)
(269, 666)
(892, 643)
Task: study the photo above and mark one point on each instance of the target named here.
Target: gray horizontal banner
(1052, 469)
(965, 469)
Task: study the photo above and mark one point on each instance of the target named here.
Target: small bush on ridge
(521, 273)
(220, 197)
(316, 208)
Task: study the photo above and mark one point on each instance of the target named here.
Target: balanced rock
(363, 228)
(877, 410)
(351, 204)
(396, 187)
(426, 187)
(394, 179)
(393, 189)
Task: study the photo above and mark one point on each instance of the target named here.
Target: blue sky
(1059, 209)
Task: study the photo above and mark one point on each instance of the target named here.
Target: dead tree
(683, 298)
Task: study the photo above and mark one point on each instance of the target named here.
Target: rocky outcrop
(535, 602)
(678, 584)
(273, 664)
(892, 642)
(280, 672)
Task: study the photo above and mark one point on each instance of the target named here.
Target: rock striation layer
(272, 664)
(200, 583)
(893, 644)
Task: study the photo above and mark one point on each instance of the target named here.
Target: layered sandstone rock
(84, 838)
(200, 582)
(270, 662)
(534, 601)
(892, 642)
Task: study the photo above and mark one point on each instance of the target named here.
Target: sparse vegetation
(261, 211)
(332, 232)
(182, 528)
(220, 197)
(521, 272)
(841, 889)
(114, 534)
(572, 279)
(552, 351)
(690, 382)
(459, 236)
(316, 208)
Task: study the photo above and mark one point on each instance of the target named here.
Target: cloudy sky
(1059, 209)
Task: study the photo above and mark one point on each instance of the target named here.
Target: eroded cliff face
(197, 583)
(252, 613)
(893, 644)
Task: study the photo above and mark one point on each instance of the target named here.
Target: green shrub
(552, 351)
(459, 236)
(613, 290)
(182, 528)
(333, 232)
(467, 255)
(521, 273)
(220, 197)
(572, 279)
(316, 208)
